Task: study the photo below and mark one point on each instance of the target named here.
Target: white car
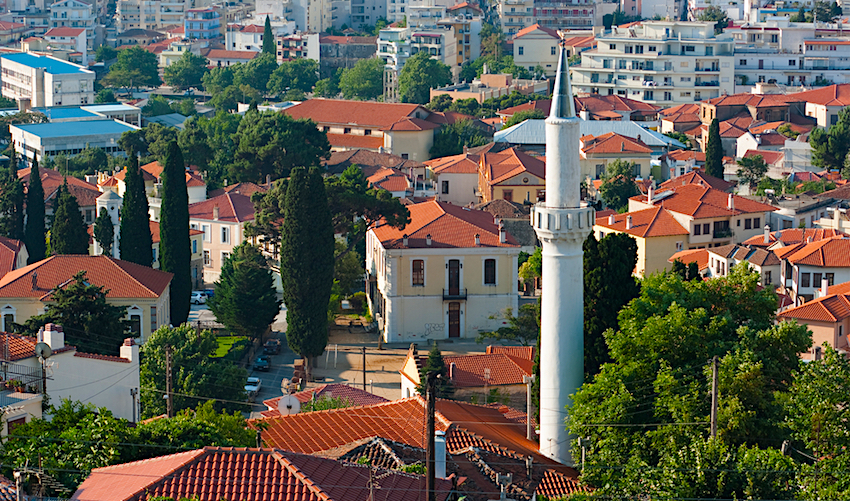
(252, 388)
(199, 297)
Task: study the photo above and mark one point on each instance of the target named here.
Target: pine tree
(134, 238)
(245, 299)
(68, 233)
(714, 151)
(104, 232)
(268, 38)
(174, 247)
(34, 235)
(306, 262)
(12, 202)
(444, 387)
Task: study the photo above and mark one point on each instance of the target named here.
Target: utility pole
(364, 368)
(169, 402)
(429, 429)
(715, 365)
(529, 429)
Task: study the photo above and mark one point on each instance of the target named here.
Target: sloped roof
(684, 155)
(245, 55)
(831, 252)
(449, 226)
(768, 126)
(705, 202)
(535, 27)
(756, 100)
(359, 113)
(698, 256)
(245, 188)
(355, 141)
(614, 143)
(842, 193)
(355, 396)
(389, 179)
(542, 105)
(121, 279)
(833, 95)
(455, 164)
(8, 492)
(769, 157)
(831, 308)
(472, 6)
(63, 31)
(595, 103)
(365, 158)
(215, 473)
(51, 180)
(154, 226)
(498, 167)
(9, 250)
(687, 108)
(232, 207)
(505, 209)
(794, 236)
(21, 347)
(521, 352)
(647, 223)
(408, 124)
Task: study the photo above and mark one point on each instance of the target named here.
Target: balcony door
(454, 319)
(454, 277)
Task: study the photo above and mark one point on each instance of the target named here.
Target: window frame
(417, 278)
(493, 280)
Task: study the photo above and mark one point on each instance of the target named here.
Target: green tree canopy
(12, 200)
(714, 151)
(255, 73)
(187, 72)
(451, 138)
(298, 74)
(174, 247)
(435, 363)
(34, 232)
(524, 328)
(440, 102)
(245, 299)
(104, 232)
(105, 53)
(218, 79)
(419, 75)
(364, 81)
(136, 67)
(135, 242)
(522, 116)
(104, 96)
(647, 411)
(618, 184)
(830, 146)
(90, 323)
(268, 38)
(716, 15)
(306, 262)
(751, 170)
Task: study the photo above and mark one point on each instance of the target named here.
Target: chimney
(612, 220)
(215, 213)
(24, 104)
(54, 336)
(405, 239)
(465, 150)
(824, 286)
(503, 236)
(638, 138)
(440, 454)
(35, 281)
(650, 194)
(129, 350)
(452, 369)
(628, 222)
(428, 239)
(766, 234)
(808, 240)
(730, 202)
(477, 239)
(623, 146)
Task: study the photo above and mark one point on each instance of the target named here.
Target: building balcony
(707, 84)
(454, 294)
(727, 233)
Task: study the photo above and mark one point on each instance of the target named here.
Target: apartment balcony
(513, 23)
(454, 294)
(727, 233)
(714, 69)
(707, 84)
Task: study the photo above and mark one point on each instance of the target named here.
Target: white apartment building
(248, 38)
(297, 46)
(45, 81)
(75, 14)
(396, 45)
(68, 39)
(659, 62)
(515, 15)
(149, 14)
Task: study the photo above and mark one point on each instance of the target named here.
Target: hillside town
(363, 250)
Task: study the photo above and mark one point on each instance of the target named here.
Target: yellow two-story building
(451, 272)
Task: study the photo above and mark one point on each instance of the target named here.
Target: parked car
(252, 388)
(199, 297)
(262, 364)
(210, 293)
(272, 347)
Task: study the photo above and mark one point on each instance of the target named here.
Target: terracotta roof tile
(479, 370)
(558, 485)
(523, 352)
(355, 396)
(361, 113)
(408, 124)
(232, 207)
(831, 308)
(355, 141)
(842, 193)
(504, 209)
(499, 167)
(8, 492)
(63, 31)
(683, 155)
(698, 256)
(647, 223)
(20, 347)
(834, 95)
(794, 236)
(9, 250)
(464, 163)
(689, 108)
(122, 279)
(769, 157)
(449, 226)
(389, 179)
(472, 6)
(246, 189)
(108, 358)
(51, 180)
(704, 202)
(242, 55)
(534, 27)
(831, 252)
(613, 143)
(542, 105)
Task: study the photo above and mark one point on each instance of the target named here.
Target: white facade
(110, 201)
(396, 45)
(659, 62)
(68, 39)
(537, 48)
(562, 226)
(75, 14)
(457, 188)
(149, 14)
(69, 138)
(46, 81)
(515, 15)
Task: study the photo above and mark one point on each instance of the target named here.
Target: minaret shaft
(562, 225)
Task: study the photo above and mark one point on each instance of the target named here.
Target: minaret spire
(561, 225)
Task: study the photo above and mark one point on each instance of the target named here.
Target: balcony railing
(723, 233)
(454, 294)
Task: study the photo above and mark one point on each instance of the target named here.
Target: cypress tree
(104, 232)
(174, 246)
(134, 237)
(714, 151)
(268, 39)
(306, 262)
(34, 235)
(68, 234)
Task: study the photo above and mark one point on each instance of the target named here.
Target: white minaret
(112, 202)
(562, 225)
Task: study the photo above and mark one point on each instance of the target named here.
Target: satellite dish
(42, 350)
(284, 386)
(288, 405)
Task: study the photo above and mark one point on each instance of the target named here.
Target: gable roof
(685, 155)
(121, 279)
(830, 308)
(698, 256)
(359, 113)
(245, 188)
(542, 105)
(64, 31)
(468, 5)
(769, 157)
(498, 167)
(833, 95)
(842, 192)
(408, 124)
(536, 27)
(389, 179)
(613, 143)
(364, 158)
(232, 207)
(9, 250)
(705, 202)
(245, 55)
(355, 396)
(480, 370)
(464, 163)
(794, 236)
(449, 226)
(833, 252)
(51, 180)
(647, 223)
(215, 473)
(505, 209)
(349, 141)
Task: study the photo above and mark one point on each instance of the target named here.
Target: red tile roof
(472, 6)
(770, 157)
(704, 202)
(252, 28)
(108, 358)
(534, 27)
(64, 31)
(21, 347)
(9, 250)
(834, 95)
(242, 55)
(794, 236)
(647, 223)
(772, 126)
(499, 167)
(232, 207)
(408, 124)
(688, 108)
(360, 113)
(450, 226)
(455, 164)
(478, 370)
(757, 100)
(8, 492)
(352, 141)
(698, 256)
(580, 41)
(596, 103)
(8, 25)
(542, 105)
(215, 473)
(338, 40)
(154, 226)
(121, 279)
(389, 179)
(831, 308)
(523, 352)
(51, 180)
(613, 143)
(831, 252)
(685, 155)
(699, 177)
(246, 188)
(355, 396)
(772, 139)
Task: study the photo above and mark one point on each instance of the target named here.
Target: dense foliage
(419, 75)
(68, 232)
(714, 151)
(618, 184)
(135, 242)
(435, 364)
(34, 232)
(174, 245)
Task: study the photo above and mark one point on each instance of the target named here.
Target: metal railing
(449, 294)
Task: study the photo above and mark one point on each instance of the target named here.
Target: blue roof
(50, 65)
(60, 113)
(67, 129)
